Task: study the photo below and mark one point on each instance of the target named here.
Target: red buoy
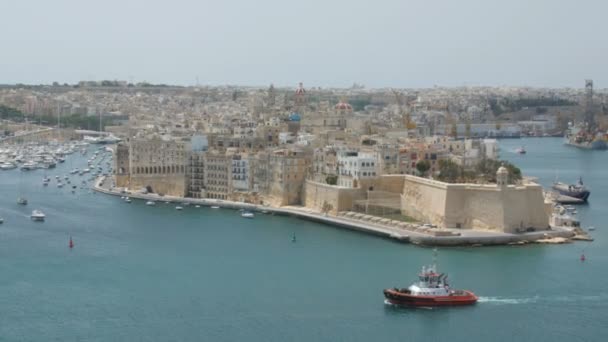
(71, 243)
(582, 257)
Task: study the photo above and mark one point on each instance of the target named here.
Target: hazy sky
(400, 43)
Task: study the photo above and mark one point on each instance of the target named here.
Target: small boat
(521, 150)
(37, 215)
(293, 238)
(432, 289)
(197, 206)
(247, 214)
(59, 185)
(22, 200)
(7, 166)
(591, 228)
(151, 203)
(179, 208)
(215, 207)
(1, 220)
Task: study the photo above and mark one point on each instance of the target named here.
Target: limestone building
(217, 175)
(354, 166)
(287, 173)
(155, 164)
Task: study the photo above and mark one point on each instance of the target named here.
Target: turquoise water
(140, 273)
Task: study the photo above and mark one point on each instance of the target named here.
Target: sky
(326, 43)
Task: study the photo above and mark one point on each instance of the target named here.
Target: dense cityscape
(355, 153)
(306, 171)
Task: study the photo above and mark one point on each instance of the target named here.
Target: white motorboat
(247, 214)
(127, 199)
(1, 220)
(7, 166)
(22, 200)
(215, 207)
(38, 215)
(151, 203)
(29, 166)
(179, 208)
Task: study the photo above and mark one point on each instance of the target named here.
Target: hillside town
(337, 151)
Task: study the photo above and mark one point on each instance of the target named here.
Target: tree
(331, 179)
(487, 169)
(449, 171)
(423, 166)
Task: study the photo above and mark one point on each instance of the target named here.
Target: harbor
(129, 244)
(420, 234)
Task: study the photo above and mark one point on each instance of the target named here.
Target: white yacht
(38, 215)
(7, 166)
(29, 166)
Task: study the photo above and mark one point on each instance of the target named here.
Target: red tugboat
(432, 289)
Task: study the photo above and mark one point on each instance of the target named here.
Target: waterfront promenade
(412, 233)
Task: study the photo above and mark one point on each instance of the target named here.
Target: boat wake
(501, 300)
(537, 299)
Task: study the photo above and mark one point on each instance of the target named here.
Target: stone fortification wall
(168, 184)
(424, 200)
(472, 206)
(341, 199)
(526, 208)
(388, 183)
